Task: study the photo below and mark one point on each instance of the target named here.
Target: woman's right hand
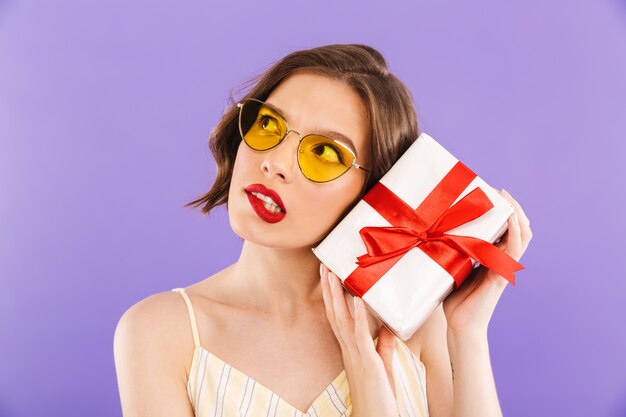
(368, 366)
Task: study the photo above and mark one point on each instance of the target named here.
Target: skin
(276, 294)
(467, 313)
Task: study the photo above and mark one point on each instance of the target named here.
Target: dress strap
(192, 316)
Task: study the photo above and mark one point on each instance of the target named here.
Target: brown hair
(389, 104)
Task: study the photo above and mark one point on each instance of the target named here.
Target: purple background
(105, 111)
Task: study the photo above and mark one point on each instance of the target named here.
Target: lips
(260, 188)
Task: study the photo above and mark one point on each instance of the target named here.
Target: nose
(282, 159)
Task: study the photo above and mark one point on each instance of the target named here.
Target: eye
(269, 124)
(328, 152)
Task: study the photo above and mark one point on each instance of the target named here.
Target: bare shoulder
(159, 319)
(153, 347)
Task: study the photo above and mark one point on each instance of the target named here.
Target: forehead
(322, 131)
(314, 103)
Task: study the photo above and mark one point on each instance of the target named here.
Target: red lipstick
(259, 205)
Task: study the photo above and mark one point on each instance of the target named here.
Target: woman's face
(310, 103)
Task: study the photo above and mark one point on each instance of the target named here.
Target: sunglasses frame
(354, 164)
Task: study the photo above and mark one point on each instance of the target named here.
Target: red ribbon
(424, 227)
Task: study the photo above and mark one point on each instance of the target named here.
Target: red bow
(424, 227)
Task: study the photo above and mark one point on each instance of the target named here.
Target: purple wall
(104, 115)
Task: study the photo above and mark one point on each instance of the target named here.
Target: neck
(279, 282)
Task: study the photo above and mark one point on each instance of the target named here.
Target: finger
(327, 296)
(385, 347)
(362, 336)
(523, 219)
(340, 306)
(522, 215)
(343, 319)
(514, 238)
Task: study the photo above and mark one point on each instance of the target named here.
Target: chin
(285, 239)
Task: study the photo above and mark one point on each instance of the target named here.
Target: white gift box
(404, 296)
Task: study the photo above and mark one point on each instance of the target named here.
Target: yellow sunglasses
(320, 158)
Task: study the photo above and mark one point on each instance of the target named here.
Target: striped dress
(217, 389)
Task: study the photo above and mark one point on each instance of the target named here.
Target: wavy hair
(392, 118)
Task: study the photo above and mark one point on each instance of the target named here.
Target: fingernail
(321, 269)
(330, 277)
(356, 303)
(515, 220)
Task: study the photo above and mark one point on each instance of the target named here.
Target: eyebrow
(330, 133)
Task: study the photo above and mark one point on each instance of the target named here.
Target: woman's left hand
(368, 366)
(469, 308)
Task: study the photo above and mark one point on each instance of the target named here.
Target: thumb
(385, 347)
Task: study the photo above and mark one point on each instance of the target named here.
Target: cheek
(329, 206)
(240, 174)
(244, 163)
(240, 159)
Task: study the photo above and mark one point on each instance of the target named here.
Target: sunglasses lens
(260, 126)
(322, 159)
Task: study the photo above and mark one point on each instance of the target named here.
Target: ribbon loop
(425, 228)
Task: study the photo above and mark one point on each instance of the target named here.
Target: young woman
(274, 334)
